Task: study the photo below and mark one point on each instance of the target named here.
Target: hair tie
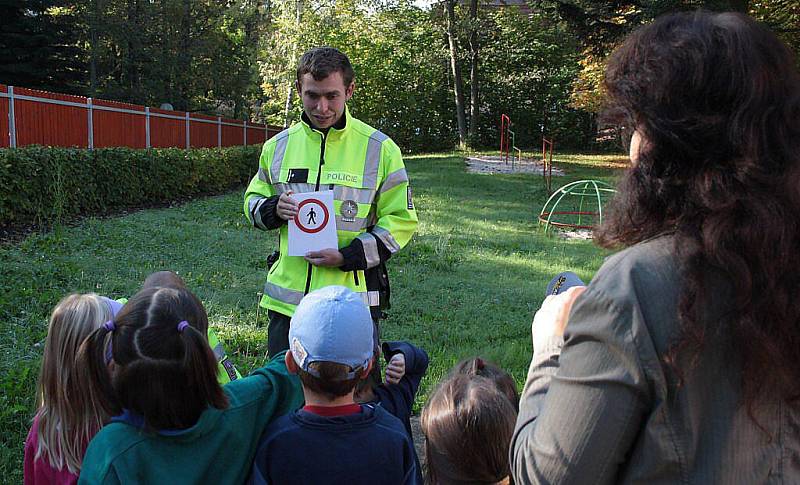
(109, 325)
(182, 326)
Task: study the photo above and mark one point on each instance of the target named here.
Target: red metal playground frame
(505, 141)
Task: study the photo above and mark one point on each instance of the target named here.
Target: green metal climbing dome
(577, 205)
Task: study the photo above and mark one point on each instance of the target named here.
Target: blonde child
(67, 417)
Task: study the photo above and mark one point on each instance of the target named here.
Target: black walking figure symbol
(311, 216)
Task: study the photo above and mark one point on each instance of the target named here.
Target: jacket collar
(335, 131)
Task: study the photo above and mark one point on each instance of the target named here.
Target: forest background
(434, 76)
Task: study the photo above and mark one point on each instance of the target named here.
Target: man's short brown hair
(321, 62)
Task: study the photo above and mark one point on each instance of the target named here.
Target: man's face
(323, 101)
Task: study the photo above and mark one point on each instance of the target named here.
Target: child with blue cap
(332, 439)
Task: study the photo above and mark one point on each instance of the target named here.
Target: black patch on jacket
(298, 175)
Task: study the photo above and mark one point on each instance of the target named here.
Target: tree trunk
(458, 85)
(267, 12)
(287, 110)
(184, 58)
(134, 68)
(93, 19)
(130, 49)
(288, 107)
(167, 60)
(473, 70)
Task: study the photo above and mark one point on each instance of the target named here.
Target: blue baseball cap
(562, 282)
(332, 324)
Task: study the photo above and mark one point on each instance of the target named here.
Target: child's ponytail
(93, 356)
(198, 363)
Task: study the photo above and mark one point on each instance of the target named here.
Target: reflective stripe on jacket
(372, 202)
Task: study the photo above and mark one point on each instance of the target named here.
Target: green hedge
(42, 184)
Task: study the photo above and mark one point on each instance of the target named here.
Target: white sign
(314, 226)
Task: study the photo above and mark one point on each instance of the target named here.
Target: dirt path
(489, 164)
(582, 234)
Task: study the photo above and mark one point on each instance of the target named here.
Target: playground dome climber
(576, 205)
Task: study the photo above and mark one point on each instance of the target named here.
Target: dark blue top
(398, 398)
(367, 447)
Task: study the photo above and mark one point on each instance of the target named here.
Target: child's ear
(291, 365)
(365, 372)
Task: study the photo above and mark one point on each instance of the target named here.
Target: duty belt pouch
(272, 259)
(377, 279)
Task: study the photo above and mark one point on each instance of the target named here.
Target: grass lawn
(467, 284)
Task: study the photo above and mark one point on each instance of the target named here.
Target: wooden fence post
(219, 131)
(245, 133)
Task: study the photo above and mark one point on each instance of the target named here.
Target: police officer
(330, 150)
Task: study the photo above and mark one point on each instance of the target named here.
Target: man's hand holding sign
(312, 227)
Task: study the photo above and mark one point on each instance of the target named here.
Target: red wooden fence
(52, 119)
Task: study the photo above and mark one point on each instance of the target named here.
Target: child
(406, 366)
(173, 421)
(468, 422)
(226, 371)
(67, 417)
(333, 439)
(476, 366)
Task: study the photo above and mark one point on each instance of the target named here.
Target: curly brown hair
(716, 97)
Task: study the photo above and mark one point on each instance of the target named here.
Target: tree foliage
(397, 53)
(542, 65)
(194, 54)
(601, 26)
(528, 67)
(39, 45)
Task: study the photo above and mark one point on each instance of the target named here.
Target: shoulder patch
(229, 369)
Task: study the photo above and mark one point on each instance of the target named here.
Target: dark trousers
(278, 340)
(277, 333)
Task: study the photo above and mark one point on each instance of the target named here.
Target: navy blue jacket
(305, 448)
(398, 398)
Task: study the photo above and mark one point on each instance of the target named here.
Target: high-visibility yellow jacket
(375, 215)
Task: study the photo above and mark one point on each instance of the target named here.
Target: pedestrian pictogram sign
(314, 227)
(312, 216)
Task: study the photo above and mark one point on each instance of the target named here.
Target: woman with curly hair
(681, 359)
